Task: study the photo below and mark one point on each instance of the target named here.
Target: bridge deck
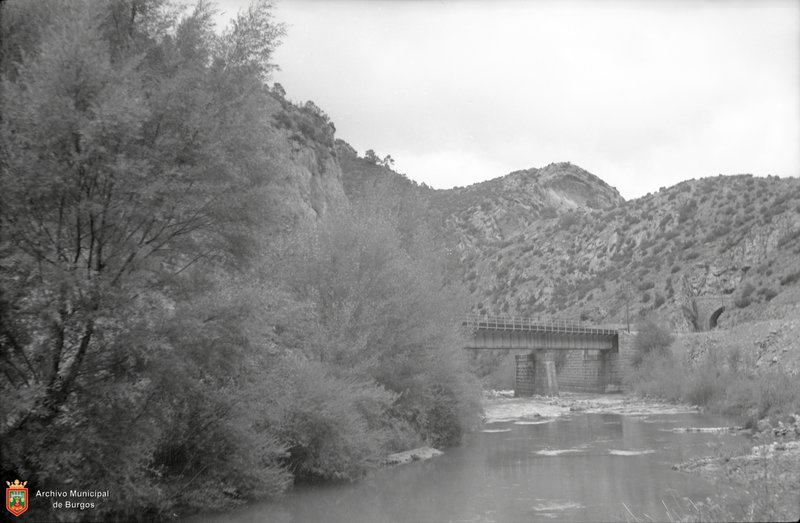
(547, 325)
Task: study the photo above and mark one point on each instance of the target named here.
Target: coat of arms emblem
(16, 497)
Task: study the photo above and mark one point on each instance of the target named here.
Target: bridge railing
(539, 324)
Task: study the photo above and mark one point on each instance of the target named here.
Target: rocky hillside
(559, 241)
(736, 237)
(501, 208)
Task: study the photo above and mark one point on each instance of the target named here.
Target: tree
(372, 157)
(134, 173)
(382, 308)
(278, 90)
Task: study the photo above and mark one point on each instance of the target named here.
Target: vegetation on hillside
(558, 241)
(532, 243)
(158, 338)
(727, 379)
(755, 484)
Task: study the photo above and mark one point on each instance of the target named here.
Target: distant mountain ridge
(559, 241)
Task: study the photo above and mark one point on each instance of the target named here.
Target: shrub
(742, 302)
(567, 220)
(659, 300)
(790, 278)
(744, 298)
(646, 286)
(724, 381)
(332, 426)
(657, 375)
(687, 210)
(767, 293)
(777, 393)
(651, 337)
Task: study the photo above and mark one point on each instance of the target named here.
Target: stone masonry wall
(596, 371)
(580, 373)
(523, 384)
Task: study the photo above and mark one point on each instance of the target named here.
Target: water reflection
(581, 468)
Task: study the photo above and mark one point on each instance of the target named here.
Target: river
(603, 460)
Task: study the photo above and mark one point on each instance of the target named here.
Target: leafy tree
(372, 157)
(382, 310)
(134, 172)
(278, 90)
(148, 340)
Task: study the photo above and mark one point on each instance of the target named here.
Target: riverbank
(500, 406)
(758, 479)
(756, 483)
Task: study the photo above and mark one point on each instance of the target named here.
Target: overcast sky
(642, 94)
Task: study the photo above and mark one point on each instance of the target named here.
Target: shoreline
(501, 406)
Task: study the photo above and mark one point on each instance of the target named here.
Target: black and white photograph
(400, 261)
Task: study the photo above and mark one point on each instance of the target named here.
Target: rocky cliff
(307, 180)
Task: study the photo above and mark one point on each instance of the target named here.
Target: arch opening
(712, 321)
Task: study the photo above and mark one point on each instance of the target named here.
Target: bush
(790, 278)
(568, 219)
(333, 427)
(767, 293)
(659, 300)
(744, 298)
(687, 211)
(657, 375)
(651, 338)
(724, 381)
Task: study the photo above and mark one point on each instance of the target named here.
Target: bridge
(553, 352)
(497, 332)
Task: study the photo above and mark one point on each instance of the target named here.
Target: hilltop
(500, 208)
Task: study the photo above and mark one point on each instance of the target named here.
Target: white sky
(642, 94)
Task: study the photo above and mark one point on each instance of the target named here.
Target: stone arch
(712, 321)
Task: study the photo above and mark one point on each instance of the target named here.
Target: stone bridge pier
(536, 374)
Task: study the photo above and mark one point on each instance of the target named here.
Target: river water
(592, 465)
